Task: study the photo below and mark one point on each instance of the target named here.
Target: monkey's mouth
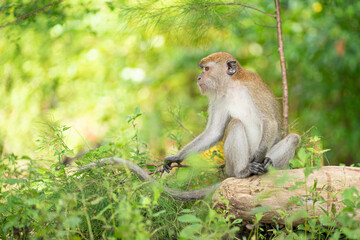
(202, 85)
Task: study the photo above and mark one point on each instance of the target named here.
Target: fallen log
(277, 191)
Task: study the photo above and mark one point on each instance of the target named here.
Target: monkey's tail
(182, 195)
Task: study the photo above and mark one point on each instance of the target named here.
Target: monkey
(244, 113)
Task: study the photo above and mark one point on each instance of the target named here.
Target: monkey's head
(218, 71)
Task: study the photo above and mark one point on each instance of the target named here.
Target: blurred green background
(89, 64)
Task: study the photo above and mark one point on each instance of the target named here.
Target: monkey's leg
(281, 153)
(236, 150)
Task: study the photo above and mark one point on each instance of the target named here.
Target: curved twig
(235, 4)
(31, 13)
(182, 195)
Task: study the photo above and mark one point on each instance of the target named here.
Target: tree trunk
(274, 191)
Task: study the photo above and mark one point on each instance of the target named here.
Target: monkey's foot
(267, 162)
(257, 168)
(222, 166)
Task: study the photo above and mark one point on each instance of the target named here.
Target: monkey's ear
(231, 67)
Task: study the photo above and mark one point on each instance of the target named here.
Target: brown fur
(264, 98)
(262, 95)
(217, 58)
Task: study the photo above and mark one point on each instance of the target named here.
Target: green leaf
(96, 201)
(186, 211)
(258, 216)
(72, 222)
(327, 221)
(31, 201)
(237, 221)
(335, 235)
(145, 201)
(65, 128)
(351, 233)
(128, 118)
(303, 155)
(325, 150)
(159, 213)
(100, 216)
(308, 170)
(104, 148)
(188, 218)
(350, 193)
(40, 149)
(12, 181)
(189, 231)
(156, 194)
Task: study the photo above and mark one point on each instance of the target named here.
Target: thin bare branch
(283, 68)
(31, 13)
(235, 4)
(261, 25)
(116, 160)
(232, 13)
(253, 20)
(178, 121)
(183, 126)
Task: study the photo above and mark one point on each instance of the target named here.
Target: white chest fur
(241, 106)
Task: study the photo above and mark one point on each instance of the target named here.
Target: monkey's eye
(206, 68)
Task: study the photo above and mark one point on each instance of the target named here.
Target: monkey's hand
(170, 160)
(174, 158)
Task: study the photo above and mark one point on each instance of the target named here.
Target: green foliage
(40, 202)
(310, 153)
(209, 226)
(110, 203)
(190, 22)
(69, 62)
(55, 142)
(337, 224)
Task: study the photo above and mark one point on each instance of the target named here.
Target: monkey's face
(208, 80)
(214, 77)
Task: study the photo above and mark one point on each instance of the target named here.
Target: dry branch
(211, 4)
(31, 13)
(182, 195)
(283, 68)
(246, 194)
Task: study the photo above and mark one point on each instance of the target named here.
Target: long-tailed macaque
(245, 114)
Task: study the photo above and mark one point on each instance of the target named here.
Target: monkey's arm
(213, 133)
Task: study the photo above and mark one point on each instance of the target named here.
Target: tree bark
(246, 194)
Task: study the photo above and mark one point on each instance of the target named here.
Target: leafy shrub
(59, 202)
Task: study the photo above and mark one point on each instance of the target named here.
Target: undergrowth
(58, 202)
